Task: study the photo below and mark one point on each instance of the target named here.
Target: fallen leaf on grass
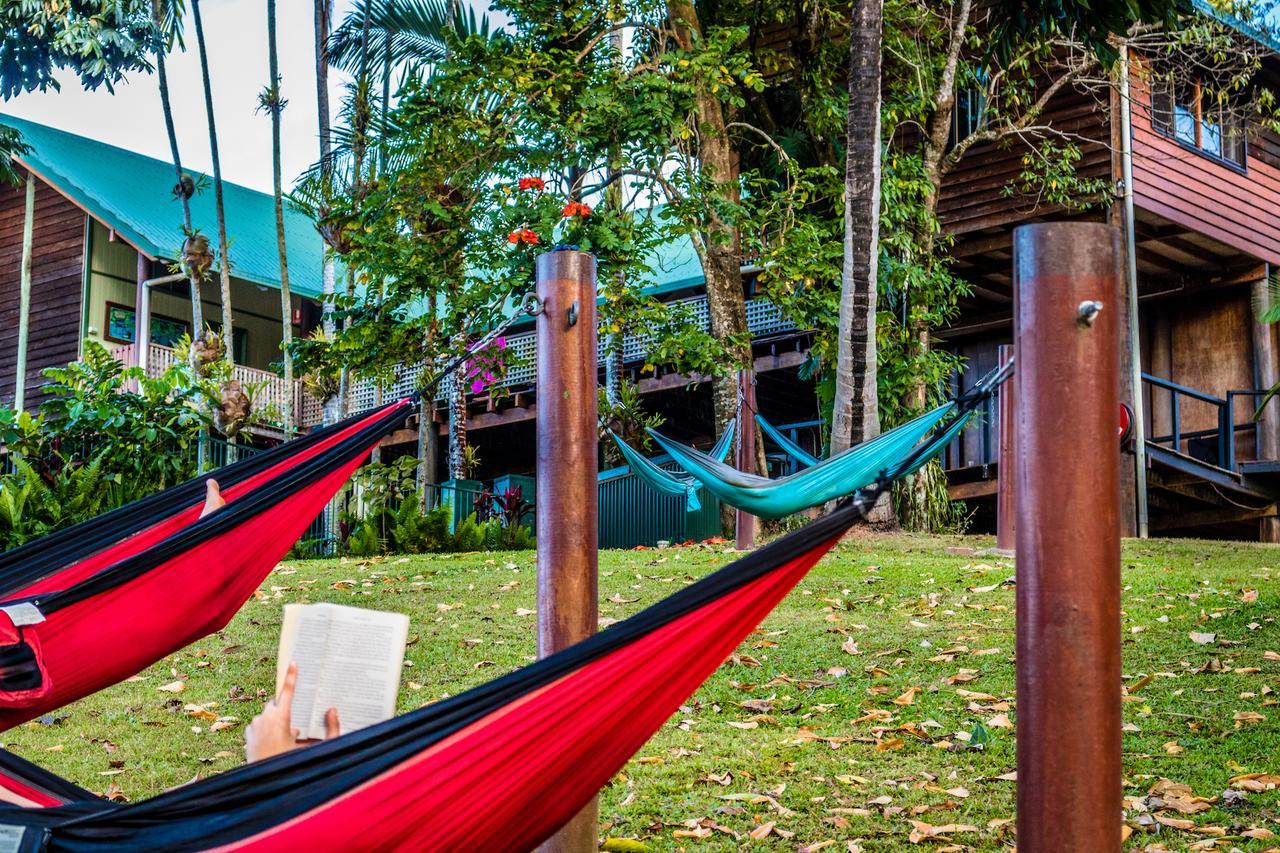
(921, 831)
(1243, 718)
(1202, 638)
(173, 687)
(907, 698)
(1176, 822)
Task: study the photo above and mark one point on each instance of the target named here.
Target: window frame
(1164, 121)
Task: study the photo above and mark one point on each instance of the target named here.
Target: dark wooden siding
(975, 194)
(1240, 209)
(56, 285)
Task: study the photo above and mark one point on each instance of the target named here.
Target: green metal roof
(133, 194)
(1259, 31)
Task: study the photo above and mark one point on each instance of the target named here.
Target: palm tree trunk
(323, 22)
(457, 427)
(180, 182)
(224, 267)
(275, 104)
(856, 413)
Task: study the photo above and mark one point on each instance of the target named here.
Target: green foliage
(11, 145)
(98, 40)
(627, 417)
(384, 515)
(32, 504)
(107, 435)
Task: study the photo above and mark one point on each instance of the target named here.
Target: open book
(348, 658)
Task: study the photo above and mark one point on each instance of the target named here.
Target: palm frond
(1266, 305)
(403, 33)
(11, 146)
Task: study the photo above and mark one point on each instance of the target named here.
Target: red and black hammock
(499, 767)
(89, 606)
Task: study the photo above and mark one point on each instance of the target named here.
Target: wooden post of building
(567, 447)
(1066, 475)
(745, 523)
(1005, 510)
(1266, 373)
(24, 296)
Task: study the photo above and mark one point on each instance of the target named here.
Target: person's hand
(272, 731)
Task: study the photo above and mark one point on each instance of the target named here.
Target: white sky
(236, 34)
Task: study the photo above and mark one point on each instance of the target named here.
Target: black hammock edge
(253, 798)
(232, 515)
(33, 560)
(37, 777)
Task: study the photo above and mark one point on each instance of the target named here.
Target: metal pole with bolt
(566, 482)
(1067, 488)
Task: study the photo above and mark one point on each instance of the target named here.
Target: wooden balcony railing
(268, 399)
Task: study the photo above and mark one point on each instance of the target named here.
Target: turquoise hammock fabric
(803, 458)
(830, 478)
(668, 482)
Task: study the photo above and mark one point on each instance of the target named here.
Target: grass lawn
(839, 725)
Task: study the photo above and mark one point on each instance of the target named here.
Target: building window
(969, 114)
(1185, 111)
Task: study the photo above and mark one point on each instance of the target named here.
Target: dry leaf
(1202, 639)
(173, 687)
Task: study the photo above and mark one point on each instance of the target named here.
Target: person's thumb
(332, 728)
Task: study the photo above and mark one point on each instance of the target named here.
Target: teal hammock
(669, 482)
(889, 454)
(803, 458)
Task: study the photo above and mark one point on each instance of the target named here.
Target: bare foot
(213, 499)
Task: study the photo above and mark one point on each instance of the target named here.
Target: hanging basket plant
(234, 408)
(197, 256)
(206, 351)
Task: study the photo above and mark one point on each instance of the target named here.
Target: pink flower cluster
(486, 366)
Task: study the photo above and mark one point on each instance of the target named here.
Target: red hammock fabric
(105, 639)
(509, 780)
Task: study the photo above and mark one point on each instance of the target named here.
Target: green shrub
(469, 536)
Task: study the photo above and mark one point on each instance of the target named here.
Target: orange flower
(529, 237)
(536, 184)
(576, 208)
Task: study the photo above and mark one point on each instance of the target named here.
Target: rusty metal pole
(1067, 485)
(1005, 510)
(745, 523)
(566, 483)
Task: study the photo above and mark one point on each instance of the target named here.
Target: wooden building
(1206, 229)
(106, 220)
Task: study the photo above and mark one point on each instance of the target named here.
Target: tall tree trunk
(224, 267)
(457, 427)
(856, 416)
(323, 22)
(719, 243)
(181, 184)
(275, 104)
(24, 296)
